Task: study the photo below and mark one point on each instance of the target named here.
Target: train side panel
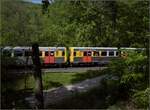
(76, 55)
(61, 56)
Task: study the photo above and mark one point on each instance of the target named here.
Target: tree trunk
(37, 76)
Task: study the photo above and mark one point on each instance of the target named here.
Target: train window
(116, 53)
(103, 53)
(46, 53)
(63, 53)
(85, 53)
(40, 53)
(7, 53)
(18, 53)
(89, 53)
(26, 53)
(52, 53)
(96, 53)
(74, 53)
(111, 53)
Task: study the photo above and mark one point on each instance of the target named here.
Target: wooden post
(37, 76)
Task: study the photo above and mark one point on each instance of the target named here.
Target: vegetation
(76, 23)
(83, 23)
(130, 82)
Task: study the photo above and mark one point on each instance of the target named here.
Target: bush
(132, 76)
(141, 98)
(131, 71)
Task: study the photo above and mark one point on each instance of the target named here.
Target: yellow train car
(93, 55)
(53, 55)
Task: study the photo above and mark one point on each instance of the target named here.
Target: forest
(76, 23)
(88, 23)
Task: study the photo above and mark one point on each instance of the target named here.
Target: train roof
(128, 48)
(94, 47)
(21, 48)
(54, 47)
(51, 48)
(26, 47)
(7, 48)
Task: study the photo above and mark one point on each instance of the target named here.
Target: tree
(37, 76)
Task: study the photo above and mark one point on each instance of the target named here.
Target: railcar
(92, 55)
(6, 51)
(97, 55)
(22, 55)
(53, 55)
(48, 55)
(18, 55)
(61, 56)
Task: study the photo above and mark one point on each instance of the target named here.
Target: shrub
(131, 73)
(141, 98)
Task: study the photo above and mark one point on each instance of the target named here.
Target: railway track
(57, 70)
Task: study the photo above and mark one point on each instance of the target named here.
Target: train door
(51, 57)
(87, 56)
(46, 59)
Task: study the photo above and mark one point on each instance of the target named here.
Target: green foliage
(131, 77)
(141, 98)
(136, 70)
(132, 69)
(75, 23)
(115, 65)
(20, 23)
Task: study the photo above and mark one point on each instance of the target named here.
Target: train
(63, 56)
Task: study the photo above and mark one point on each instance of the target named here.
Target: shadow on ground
(89, 100)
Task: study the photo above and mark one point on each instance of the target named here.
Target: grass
(51, 80)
